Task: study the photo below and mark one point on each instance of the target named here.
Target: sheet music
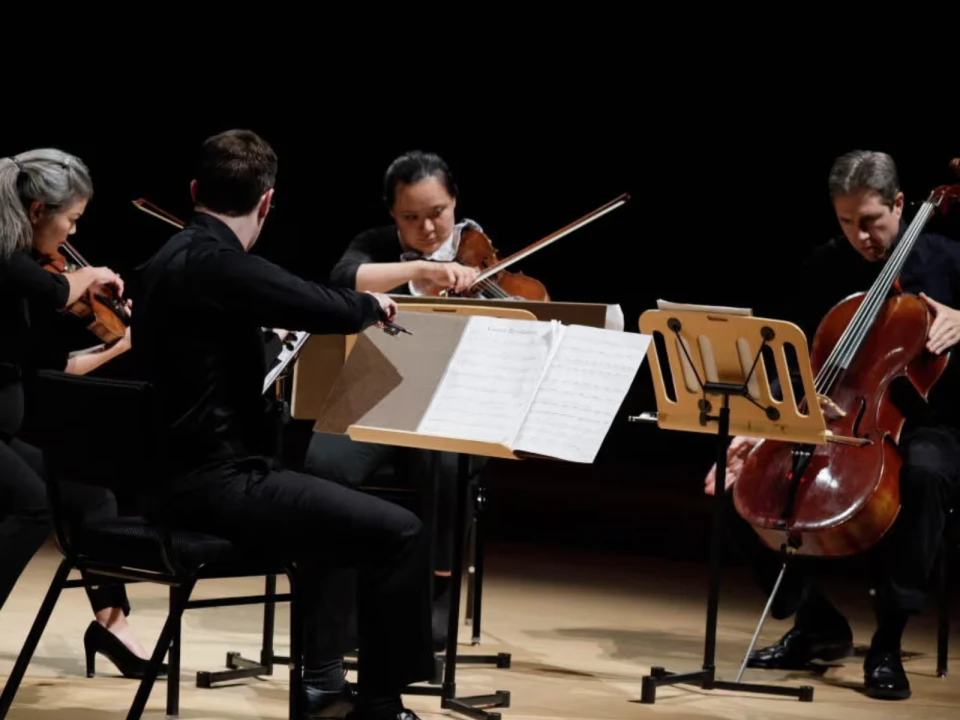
(491, 379)
(581, 393)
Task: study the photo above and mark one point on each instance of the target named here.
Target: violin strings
(866, 314)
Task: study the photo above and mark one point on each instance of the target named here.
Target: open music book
(535, 387)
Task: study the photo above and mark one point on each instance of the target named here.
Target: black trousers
(25, 513)
(902, 562)
(356, 465)
(351, 549)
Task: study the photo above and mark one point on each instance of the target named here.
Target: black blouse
(26, 291)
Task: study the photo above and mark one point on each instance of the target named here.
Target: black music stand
(714, 352)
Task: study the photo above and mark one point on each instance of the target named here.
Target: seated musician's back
(202, 301)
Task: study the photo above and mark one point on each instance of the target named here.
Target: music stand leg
(472, 707)
(706, 676)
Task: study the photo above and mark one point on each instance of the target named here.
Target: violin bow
(150, 209)
(553, 237)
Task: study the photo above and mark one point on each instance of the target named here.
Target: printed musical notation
(491, 379)
(581, 392)
(538, 387)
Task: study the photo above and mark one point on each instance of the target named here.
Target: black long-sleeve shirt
(26, 289)
(199, 308)
(933, 268)
(380, 245)
(376, 245)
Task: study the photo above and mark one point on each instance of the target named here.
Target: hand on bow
(388, 306)
(945, 329)
(737, 452)
(449, 275)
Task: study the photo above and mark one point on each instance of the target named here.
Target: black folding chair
(131, 548)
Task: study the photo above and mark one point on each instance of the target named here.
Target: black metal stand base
(705, 679)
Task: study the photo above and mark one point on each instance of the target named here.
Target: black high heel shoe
(97, 639)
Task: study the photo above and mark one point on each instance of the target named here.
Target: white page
(490, 380)
(581, 393)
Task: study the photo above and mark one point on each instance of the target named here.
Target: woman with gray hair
(42, 195)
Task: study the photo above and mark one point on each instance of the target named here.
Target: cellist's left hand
(945, 329)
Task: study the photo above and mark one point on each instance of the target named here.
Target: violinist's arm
(86, 361)
(273, 297)
(384, 277)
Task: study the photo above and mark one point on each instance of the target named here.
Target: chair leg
(943, 626)
(33, 637)
(178, 602)
(296, 648)
(173, 662)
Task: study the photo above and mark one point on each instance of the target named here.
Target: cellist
(865, 191)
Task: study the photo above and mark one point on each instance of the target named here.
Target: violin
(105, 312)
(841, 498)
(476, 250)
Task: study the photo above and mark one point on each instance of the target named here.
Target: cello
(840, 499)
(105, 312)
(476, 250)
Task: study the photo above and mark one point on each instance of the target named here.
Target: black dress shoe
(884, 677)
(797, 648)
(324, 704)
(97, 639)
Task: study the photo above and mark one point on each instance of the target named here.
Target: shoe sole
(888, 694)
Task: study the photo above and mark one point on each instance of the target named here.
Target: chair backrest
(92, 431)
(95, 431)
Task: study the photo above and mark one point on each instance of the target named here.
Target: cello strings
(877, 297)
(896, 266)
(860, 324)
(865, 316)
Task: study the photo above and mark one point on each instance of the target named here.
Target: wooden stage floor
(582, 629)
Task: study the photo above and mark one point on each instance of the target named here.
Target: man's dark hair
(412, 167)
(236, 168)
(865, 169)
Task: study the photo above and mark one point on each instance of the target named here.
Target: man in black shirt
(197, 332)
(417, 251)
(869, 205)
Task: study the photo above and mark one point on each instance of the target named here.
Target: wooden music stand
(331, 419)
(323, 356)
(717, 352)
(383, 394)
